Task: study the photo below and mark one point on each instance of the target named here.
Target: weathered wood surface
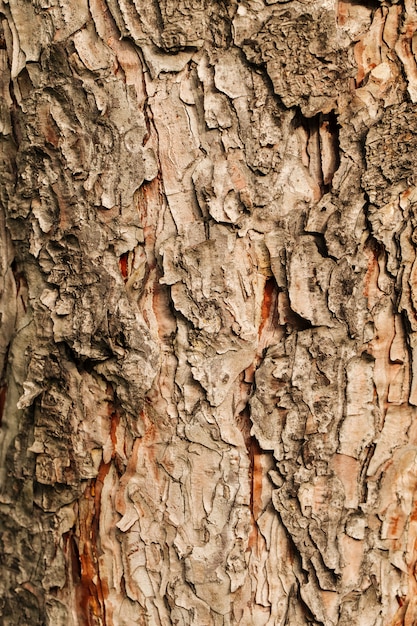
(208, 313)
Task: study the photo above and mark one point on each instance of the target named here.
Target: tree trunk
(208, 313)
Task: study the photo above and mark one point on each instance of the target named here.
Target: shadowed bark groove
(208, 341)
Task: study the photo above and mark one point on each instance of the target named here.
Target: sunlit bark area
(208, 306)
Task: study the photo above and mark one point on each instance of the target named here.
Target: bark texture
(208, 309)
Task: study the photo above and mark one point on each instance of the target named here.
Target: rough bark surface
(208, 310)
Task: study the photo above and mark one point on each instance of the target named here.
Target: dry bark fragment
(208, 328)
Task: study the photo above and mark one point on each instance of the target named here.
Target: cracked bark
(208, 342)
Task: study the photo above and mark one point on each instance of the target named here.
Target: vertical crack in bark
(320, 148)
(91, 592)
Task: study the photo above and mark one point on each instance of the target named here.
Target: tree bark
(208, 308)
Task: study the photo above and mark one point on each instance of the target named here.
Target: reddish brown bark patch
(124, 266)
(90, 593)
